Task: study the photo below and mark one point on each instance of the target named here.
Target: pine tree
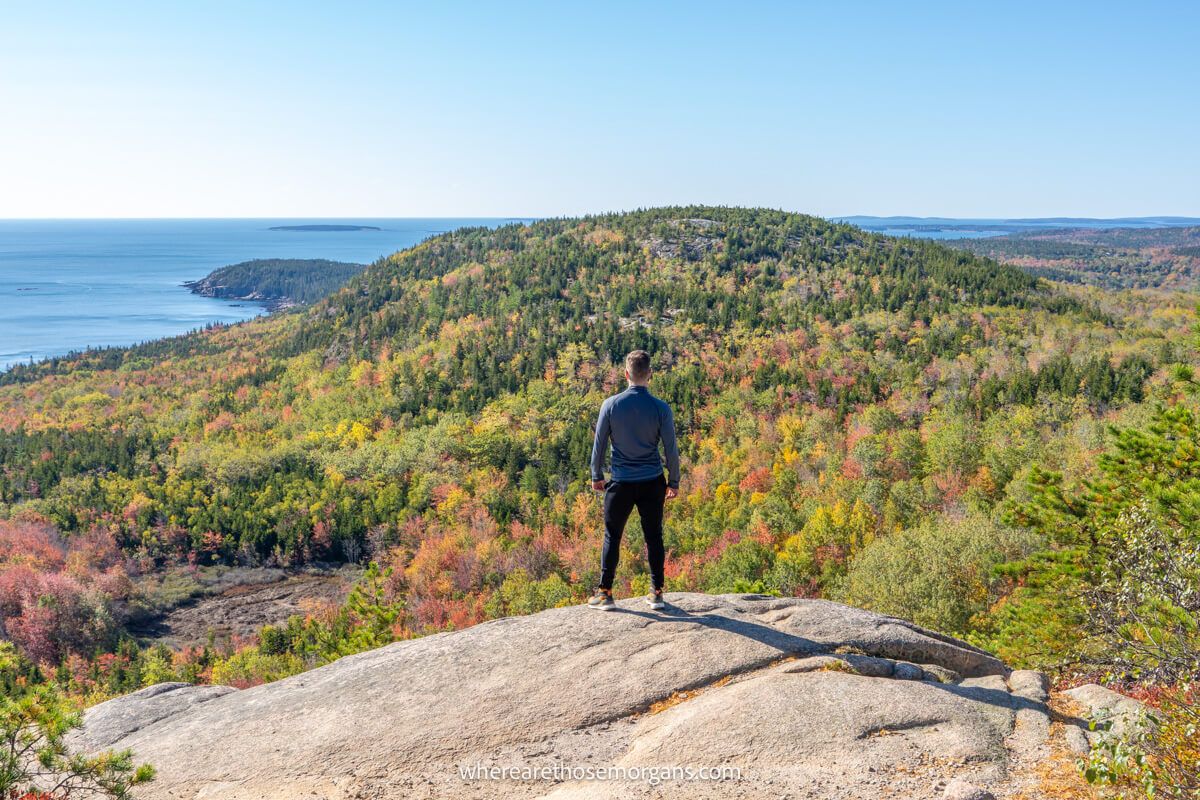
(372, 615)
(34, 760)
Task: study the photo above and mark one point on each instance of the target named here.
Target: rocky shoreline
(207, 287)
(277, 283)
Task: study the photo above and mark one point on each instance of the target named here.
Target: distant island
(324, 228)
(278, 283)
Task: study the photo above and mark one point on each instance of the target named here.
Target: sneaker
(602, 600)
(655, 600)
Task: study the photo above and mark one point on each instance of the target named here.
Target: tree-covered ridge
(831, 387)
(1112, 257)
(278, 282)
(657, 279)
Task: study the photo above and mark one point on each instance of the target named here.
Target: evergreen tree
(34, 759)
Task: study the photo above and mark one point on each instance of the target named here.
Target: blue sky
(168, 109)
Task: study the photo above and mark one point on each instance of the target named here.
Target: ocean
(67, 285)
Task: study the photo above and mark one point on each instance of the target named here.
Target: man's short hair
(637, 364)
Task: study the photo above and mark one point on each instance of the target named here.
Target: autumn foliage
(833, 389)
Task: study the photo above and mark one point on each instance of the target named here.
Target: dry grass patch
(679, 697)
(1057, 777)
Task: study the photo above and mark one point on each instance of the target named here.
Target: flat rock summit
(780, 698)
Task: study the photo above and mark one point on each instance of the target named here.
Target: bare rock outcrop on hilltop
(806, 698)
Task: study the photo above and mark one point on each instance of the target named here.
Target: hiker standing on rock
(634, 421)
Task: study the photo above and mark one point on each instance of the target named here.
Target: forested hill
(659, 279)
(831, 386)
(278, 282)
(725, 267)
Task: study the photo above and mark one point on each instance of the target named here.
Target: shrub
(520, 595)
(1145, 603)
(1160, 759)
(740, 563)
(939, 574)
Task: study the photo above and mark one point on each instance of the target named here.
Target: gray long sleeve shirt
(635, 421)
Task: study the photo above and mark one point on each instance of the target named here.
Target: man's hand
(598, 486)
(672, 493)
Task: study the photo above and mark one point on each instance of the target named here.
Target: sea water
(69, 285)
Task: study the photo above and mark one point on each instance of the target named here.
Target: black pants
(619, 500)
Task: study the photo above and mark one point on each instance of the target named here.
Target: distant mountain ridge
(875, 223)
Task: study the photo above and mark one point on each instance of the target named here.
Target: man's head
(637, 367)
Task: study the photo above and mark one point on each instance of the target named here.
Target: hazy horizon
(526, 217)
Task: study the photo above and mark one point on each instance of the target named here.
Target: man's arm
(600, 446)
(670, 448)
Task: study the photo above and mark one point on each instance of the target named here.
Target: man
(635, 421)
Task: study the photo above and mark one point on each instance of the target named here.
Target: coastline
(271, 303)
